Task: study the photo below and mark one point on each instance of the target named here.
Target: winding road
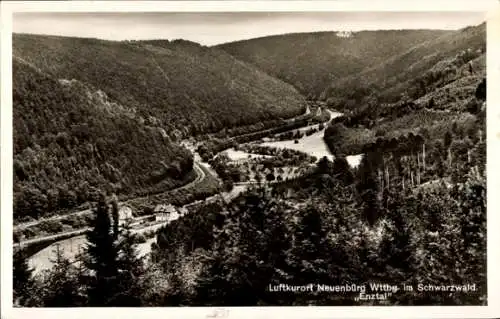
(200, 176)
(75, 237)
(22, 226)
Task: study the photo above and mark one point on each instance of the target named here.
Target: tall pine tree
(101, 261)
(368, 187)
(131, 271)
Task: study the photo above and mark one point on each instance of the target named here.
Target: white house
(125, 215)
(164, 212)
(165, 208)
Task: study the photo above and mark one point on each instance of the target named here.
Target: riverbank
(313, 145)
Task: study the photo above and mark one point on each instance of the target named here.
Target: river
(313, 145)
(44, 259)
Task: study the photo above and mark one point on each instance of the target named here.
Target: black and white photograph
(256, 159)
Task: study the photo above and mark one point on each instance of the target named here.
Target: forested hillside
(412, 73)
(445, 95)
(180, 85)
(71, 141)
(95, 115)
(313, 61)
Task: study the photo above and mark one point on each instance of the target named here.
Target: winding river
(313, 145)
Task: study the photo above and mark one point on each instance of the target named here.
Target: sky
(220, 27)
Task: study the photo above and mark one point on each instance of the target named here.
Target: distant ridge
(313, 61)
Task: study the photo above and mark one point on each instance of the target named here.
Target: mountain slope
(432, 89)
(416, 71)
(70, 141)
(188, 88)
(312, 61)
(93, 115)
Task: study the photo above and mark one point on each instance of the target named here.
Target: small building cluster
(165, 212)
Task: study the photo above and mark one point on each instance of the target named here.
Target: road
(52, 237)
(22, 226)
(226, 196)
(308, 111)
(200, 175)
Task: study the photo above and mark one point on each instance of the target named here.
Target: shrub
(51, 227)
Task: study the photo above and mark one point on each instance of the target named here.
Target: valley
(170, 173)
(73, 245)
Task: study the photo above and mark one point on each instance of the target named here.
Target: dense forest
(356, 230)
(445, 96)
(413, 72)
(412, 212)
(179, 85)
(71, 113)
(313, 61)
(69, 144)
(366, 67)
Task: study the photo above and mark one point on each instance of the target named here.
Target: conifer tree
(481, 90)
(131, 269)
(101, 258)
(368, 187)
(62, 285)
(323, 166)
(342, 170)
(22, 279)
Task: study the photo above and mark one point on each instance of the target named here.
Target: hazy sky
(215, 28)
